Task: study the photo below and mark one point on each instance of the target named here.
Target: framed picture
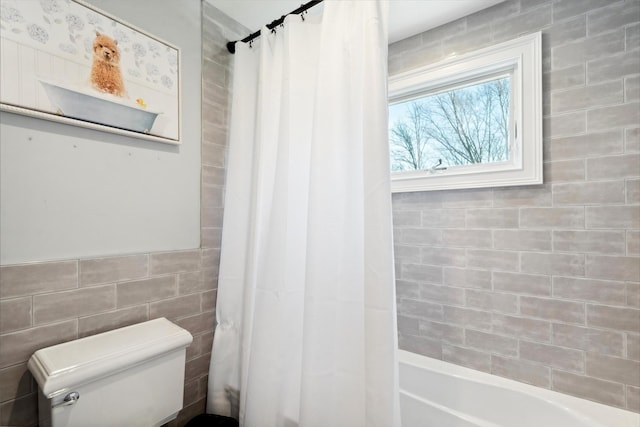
(67, 61)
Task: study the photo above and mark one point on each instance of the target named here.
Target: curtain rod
(231, 46)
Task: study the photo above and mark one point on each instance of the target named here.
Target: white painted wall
(69, 192)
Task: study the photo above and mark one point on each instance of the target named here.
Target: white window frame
(521, 58)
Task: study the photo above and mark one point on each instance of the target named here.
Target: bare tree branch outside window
(463, 126)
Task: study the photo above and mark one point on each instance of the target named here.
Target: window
(470, 121)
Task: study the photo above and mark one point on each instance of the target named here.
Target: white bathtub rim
(460, 415)
(593, 413)
(479, 422)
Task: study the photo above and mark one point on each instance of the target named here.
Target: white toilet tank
(132, 376)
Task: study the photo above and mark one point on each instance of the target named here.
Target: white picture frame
(69, 62)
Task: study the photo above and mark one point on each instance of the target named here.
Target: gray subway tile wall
(15, 314)
(47, 303)
(633, 195)
(521, 370)
(113, 269)
(633, 398)
(607, 392)
(19, 280)
(540, 284)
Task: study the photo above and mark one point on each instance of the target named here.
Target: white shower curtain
(306, 331)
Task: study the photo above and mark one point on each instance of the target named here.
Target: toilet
(132, 376)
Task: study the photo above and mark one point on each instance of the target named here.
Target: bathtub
(434, 393)
(85, 103)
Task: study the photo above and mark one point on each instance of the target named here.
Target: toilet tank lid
(61, 367)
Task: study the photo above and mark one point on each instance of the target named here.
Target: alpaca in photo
(105, 70)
